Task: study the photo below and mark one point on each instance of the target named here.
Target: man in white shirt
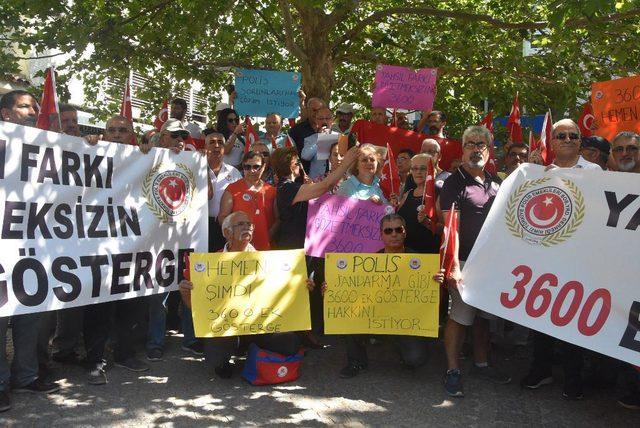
(220, 176)
(323, 122)
(565, 142)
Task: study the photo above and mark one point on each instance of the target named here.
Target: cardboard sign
(88, 224)
(342, 225)
(565, 240)
(616, 106)
(236, 294)
(381, 294)
(402, 87)
(260, 92)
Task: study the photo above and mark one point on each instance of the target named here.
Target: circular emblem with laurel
(168, 193)
(544, 215)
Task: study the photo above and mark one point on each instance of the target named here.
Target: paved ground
(180, 392)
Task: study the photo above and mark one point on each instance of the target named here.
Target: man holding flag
(472, 189)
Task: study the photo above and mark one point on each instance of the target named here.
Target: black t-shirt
(293, 218)
(419, 236)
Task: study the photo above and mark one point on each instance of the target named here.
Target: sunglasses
(233, 119)
(479, 145)
(621, 149)
(564, 135)
(178, 134)
(390, 230)
(120, 130)
(251, 167)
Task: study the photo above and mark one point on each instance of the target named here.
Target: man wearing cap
(172, 135)
(344, 113)
(179, 111)
(596, 149)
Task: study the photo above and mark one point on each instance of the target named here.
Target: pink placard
(402, 87)
(337, 224)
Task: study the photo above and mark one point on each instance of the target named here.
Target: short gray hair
(429, 140)
(228, 220)
(477, 131)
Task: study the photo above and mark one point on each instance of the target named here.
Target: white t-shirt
(582, 163)
(226, 176)
(194, 129)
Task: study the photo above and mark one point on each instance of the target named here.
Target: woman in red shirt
(254, 197)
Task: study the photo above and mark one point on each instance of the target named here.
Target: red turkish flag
(513, 124)
(125, 106)
(585, 122)
(545, 139)
(394, 119)
(533, 143)
(429, 196)
(292, 122)
(193, 144)
(450, 243)
(487, 122)
(162, 116)
(49, 102)
(250, 135)
(390, 180)
(289, 142)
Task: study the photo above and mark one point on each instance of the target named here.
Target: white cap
(222, 106)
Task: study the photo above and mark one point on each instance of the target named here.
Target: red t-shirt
(258, 206)
(450, 150)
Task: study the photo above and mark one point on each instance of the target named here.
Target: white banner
(83, 224)
(559, 253)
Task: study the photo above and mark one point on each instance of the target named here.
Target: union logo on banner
(545, 215)
(169, 193)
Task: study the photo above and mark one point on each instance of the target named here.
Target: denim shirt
(354, 188)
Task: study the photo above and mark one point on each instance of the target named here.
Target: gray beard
(476, 164)
(627, 166)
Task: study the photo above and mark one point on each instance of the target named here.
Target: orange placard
(616, 106)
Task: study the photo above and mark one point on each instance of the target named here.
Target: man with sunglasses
(413, 349)
(473, 190)
(172, 135)
(516, 154)
(565, 143)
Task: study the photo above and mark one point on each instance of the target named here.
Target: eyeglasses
(233, 119)
(419, 168)
(629, 148)
(177, 134)
(251, 167)
(477, 145)
(120, 130)
(390, 230)
(244, 225)
(564, 135)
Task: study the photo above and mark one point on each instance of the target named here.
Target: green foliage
(337, 43)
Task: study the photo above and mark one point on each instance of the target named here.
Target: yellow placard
(244, 293)
(381, 294)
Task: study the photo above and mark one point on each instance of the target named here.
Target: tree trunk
(318, 68)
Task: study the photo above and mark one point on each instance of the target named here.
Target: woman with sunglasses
(364, 183)
(419, 234)
(254, 197)
(229, 126)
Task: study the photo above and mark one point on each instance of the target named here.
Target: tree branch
(39, 57)
(290, 43)
(340, 13)
(473, 17)
(272, 29)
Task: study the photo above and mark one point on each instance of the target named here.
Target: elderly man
(273, 138)
(625, 147)
(323, 122)
(473, 190)
(431, 148)
(565, 142)
(172, 136)
(413, 349)
(20, 107)
(237, 228)
(344, 113)
(306, 127)
(596, 149)
(379, 116)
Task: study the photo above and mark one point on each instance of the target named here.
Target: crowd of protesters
(258, 201)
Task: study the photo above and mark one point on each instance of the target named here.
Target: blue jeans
(24, 367)
(158, 323)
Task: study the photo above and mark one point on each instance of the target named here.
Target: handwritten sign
(381, 294)
(402, 87)
(342, 225)
(237, 294)
(616, 106)
(260, 92)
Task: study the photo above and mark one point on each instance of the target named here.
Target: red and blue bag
(264, 367)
